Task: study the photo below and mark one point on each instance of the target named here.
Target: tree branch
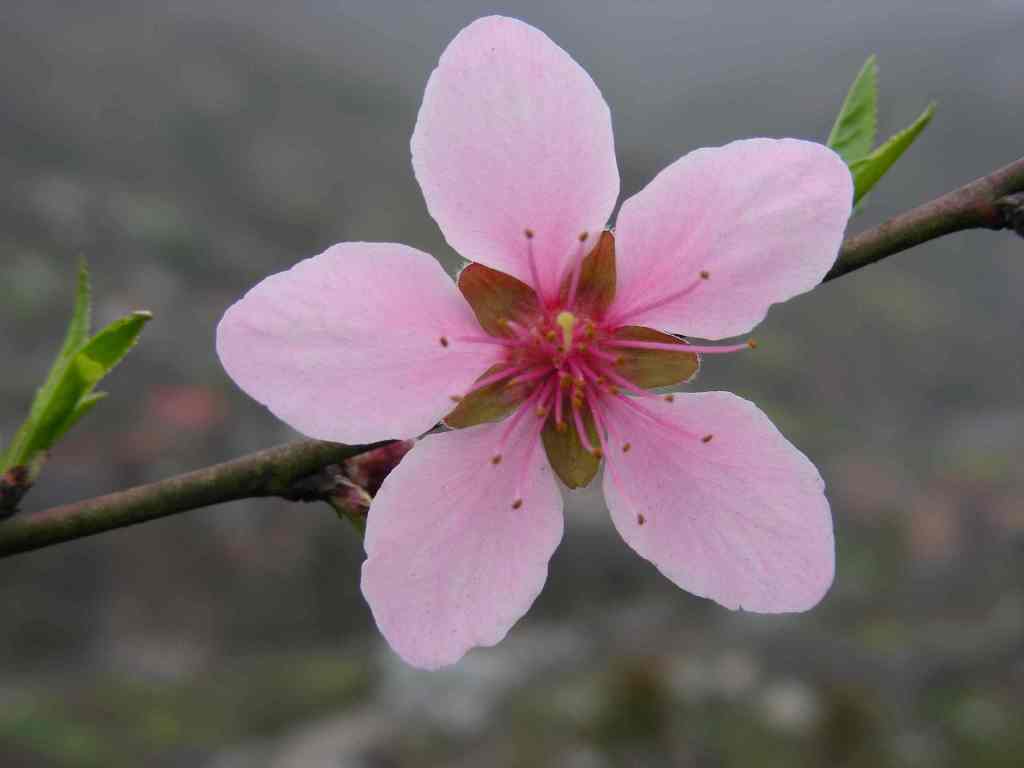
(991, 202)
(283, 471)
(291, 471)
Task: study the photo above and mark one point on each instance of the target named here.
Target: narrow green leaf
(853, 133)
(78, 329)
(868, 170)
(108, 347)
(67, 394)
(74, 338)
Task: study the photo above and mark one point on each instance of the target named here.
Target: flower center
(569, 358)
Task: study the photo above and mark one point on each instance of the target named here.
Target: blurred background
(189, 148)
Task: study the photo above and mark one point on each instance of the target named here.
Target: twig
(993, 202)
(277, 471)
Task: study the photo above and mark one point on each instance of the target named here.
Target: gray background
(187, 149)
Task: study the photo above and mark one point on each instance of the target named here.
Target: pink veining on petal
(723, 233)
(724, 506)
(355, 345)
(514, 135)
(458, 547)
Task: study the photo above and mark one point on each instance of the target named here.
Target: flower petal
(358, 344)
(513, 135)
(451, 562)
(764, 218)
(740, 517)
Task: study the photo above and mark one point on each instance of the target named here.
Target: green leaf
(108, 347)
(868, 170)
(78, 329)
(76, 335)
(853, 133)
(66, 395)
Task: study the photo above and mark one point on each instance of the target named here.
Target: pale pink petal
(514, 134)
(451, 564)
(741, 519)
(358, 344)
(763, 217)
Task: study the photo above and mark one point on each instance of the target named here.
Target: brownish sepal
(497, 298)
(596, 289)
(650, 368)
(355, 482)
(492, 403)
(574, 465)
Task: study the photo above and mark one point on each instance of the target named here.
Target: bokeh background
(189, 148)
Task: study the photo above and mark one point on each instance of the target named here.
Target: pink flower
(548, 336)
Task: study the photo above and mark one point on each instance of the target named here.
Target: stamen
(567, 320)
(534, 273)
(655, 418)
(513, 420)
(683, 292)
(577, 268)
(706, 438)
(580, 428)
(486, 381)
(533, 439)
(622, 381)
(487, 340)
(531, 375)
(668, 347)
(626, 447)
(559, 424)
(606, 357)
(602, 431)
(444, 341)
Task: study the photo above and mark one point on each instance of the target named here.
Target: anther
(529, 233)
(704, 274)
(640, 519)
(496, 459)
(456, 398)
(541, 411)
(706, 438)
(551, 336)
(626, 447)
(598, 453)
(517, 504)
(752, 344)
(584, 236)
(444, 341)
(561, 426)
(670, 398)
